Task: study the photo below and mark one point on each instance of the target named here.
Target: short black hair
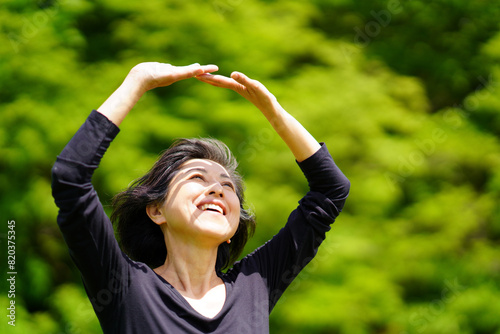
(140, 238)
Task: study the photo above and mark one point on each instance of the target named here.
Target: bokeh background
(406, 94)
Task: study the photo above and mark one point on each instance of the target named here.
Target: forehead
(203, 165)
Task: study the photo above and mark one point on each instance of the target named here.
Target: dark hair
(140, 238)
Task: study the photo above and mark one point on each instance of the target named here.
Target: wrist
(135, 84)
(123, 99)
(274, 113)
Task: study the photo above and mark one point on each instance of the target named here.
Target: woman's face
(201, 203)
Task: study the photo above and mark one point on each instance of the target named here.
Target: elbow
(55, 170)
(57, 173)
(346, 187)
(342, 187)
(342, 193)
(61, 178)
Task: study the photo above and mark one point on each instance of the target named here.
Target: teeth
(212, 206)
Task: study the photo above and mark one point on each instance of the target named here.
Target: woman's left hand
(299, 140)
(250, 89)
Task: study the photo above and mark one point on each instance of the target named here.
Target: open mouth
(212, 207)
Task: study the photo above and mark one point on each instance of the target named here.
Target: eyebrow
(204, 171)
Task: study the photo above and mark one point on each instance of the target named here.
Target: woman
(185, 220)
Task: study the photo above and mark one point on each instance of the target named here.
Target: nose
(216, 190)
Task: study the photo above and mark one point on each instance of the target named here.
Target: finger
(220, 81)
(189, 71)
(215, 82)
(207, 78)
(215, 78)
(247, 83)
(185, 72)
(209, 68)
(242, 78)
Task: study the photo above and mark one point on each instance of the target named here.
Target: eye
(228, 184)
(197, 176)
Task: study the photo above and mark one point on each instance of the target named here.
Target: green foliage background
(406, 94)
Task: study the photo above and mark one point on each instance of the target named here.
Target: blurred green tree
(407, 102)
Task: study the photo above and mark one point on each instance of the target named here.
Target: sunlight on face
(202, 203)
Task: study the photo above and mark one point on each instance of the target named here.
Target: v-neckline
(186, 302)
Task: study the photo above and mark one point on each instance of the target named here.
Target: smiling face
(201, 204)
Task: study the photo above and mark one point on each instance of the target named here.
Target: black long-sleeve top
(129, 297)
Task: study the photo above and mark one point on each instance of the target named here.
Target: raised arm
(144, 77)
(298, 139)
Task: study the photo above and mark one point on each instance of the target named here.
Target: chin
(216, 227)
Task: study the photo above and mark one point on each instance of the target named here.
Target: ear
(155, 213)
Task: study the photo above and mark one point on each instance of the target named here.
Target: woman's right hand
(152, 75)
(144, 77)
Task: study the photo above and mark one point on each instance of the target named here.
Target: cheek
(184, 191)
(234, 203)
(181, 196)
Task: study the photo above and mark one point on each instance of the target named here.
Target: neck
(190, 268)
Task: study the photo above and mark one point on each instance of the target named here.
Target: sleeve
(282, 258)
(85, 226)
